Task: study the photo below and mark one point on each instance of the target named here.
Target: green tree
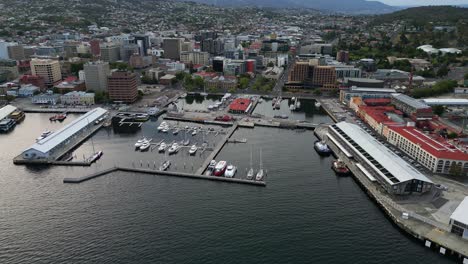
(76, 67)
(198, 82)
(244, 82)
(442, 71)
(271, 64)
(438, 109)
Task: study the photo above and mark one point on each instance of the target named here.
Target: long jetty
(163, 173)
(217, 149)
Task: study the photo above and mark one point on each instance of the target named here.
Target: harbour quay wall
(433, 235)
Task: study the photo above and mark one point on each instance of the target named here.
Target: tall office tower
(16, 52)
(172, 48)
(122, 86)
(110, 52)
(48, 69)
(95, 47)
(143, 43)
(96, 74)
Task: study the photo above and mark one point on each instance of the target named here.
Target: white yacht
(174, 148)
(318, 104)
(165, 129)
(162, 147)
(212, 165)
(194, 132)
(292, 107)
(145, 146)
(165, 165)
(230, 171)
(261, 173)
(193, 150)
(140, 142)
(176, 131)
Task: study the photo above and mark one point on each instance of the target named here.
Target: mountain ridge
(348, 6)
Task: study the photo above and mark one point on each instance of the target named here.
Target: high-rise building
(187, 46)
(4, 48)
(95, 47)
(16, 52)
(122, 86)
(324, 76)
(342, 56)
(195, 57)
(207, 45)
(70, 49)
(299, 72)
(143, 43)
(110, 53)
(172, 48)
(96, 74)
(48, 69)
(127, 50)
(11, 67)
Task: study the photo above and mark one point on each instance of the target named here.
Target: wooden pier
(163, 173)
(216, 150)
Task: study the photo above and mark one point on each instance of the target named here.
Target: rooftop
(6, 111)
(445, 101)
(415, 103)
(439, 147)
(48, 143)
(384, 114)
(398, 169)
(461, 213)
(240, 104)
(373, 90)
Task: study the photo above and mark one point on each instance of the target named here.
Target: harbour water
(305, 214)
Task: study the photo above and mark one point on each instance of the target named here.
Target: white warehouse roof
(461, 213)
(6, 111)
(445, 101)
(393, 163)
(48, 143)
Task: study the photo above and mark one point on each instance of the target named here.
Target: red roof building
(34, 80)
(431, 150)
(381, 117)
(377, 101)
(240, 106)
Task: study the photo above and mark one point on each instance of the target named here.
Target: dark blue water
(304, 215)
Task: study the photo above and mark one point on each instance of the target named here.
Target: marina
(293, 185)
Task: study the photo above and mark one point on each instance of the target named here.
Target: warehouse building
(412, 107)
(437, 155)
(459, 220)
(52, 146)
(393, 173)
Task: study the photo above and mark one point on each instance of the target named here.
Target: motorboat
(44, 135)
(318, 104)
(186, 142)
(212, 165)
(211, 107)
(165, 165)
(220, 168)
(162, 147)
(176, 131)
(292, 107)
(174, 148)
(165, 129)
(230, 171)
(298, 105)
(59, 117)
(183, 95)
(95, 156)
(322, 148)
(193, 150)
(186, 127)
(339, 167)
(260, 100)
(145, 146)
(194, 132)
(140, 142)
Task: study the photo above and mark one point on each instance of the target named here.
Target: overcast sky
(424, 2)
